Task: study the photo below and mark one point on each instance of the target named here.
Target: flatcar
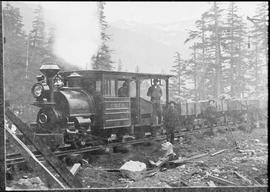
(76, 107)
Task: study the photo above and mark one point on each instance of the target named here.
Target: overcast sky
(155, 12)
(164, 12)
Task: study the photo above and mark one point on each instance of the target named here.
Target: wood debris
(220, 180)
(242, 177)
(75, 168)
(218, 152)
(211, 184)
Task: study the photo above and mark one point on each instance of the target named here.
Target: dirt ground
(250, 161)
(245, 166)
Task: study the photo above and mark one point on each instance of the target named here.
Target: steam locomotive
(80, 107)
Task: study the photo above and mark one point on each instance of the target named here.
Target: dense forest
(229, 55)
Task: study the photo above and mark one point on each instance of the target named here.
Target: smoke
(77, 30)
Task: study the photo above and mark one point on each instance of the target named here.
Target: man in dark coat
(123, 91)
(171, 120)
(210, 114)
(155, 93)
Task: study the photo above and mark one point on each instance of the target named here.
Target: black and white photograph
(130, 94)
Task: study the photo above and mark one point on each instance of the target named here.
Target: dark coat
(171, 118)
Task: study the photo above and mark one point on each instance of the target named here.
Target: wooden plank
(220, 180)
(124, 119)
(189, 159)
(45, 175)
(50, 158)
(75, 168)
(218, 152)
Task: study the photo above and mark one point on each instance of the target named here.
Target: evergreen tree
(37, 42)
(234, 52)
(209, 58)
(38, 36)
(17, 87)
(102, 60)
(260, 21)
(14, 52)
(259, 36)
(178, 82)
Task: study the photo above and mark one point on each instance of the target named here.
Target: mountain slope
(151, 47)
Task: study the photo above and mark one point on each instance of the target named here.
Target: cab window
(109, 88)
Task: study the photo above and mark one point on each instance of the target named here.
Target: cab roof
(115, 74)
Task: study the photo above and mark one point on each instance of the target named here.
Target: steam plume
(77, 30)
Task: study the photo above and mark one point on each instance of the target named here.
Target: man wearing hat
(155, 93)
(171, 120)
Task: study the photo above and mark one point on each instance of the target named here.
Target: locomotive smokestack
(49, 70)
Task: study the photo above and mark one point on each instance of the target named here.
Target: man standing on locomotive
(155, 93)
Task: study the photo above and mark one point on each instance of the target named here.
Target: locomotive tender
(78, 106)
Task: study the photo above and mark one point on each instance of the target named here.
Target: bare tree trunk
(202, 78)
(179, 75)
(217, 91)
(238, 82)
(195, 73)
(256, 69)
(232, 82)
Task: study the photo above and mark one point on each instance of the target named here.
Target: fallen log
(242, 177)
(220, 180)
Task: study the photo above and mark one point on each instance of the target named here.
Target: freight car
(194, 115)
(77, 107)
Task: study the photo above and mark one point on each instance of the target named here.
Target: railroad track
(16, 158)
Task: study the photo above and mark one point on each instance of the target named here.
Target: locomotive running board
(69, 179)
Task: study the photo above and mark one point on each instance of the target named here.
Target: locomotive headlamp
(37, 90)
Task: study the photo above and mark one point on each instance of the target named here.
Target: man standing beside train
(155, 93)
(171, 120)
